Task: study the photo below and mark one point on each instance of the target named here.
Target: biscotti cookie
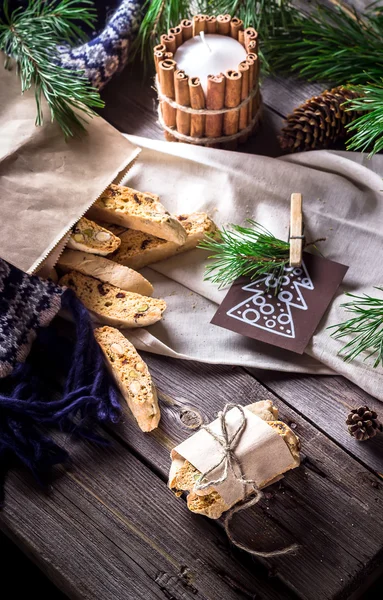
(133, 209)
(139, 249)
(105, 270)
(131, 375)
(90, 237)
(112, 305)
(183, 475)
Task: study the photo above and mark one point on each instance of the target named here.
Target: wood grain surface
(110, 528)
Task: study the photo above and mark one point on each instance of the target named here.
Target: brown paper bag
(47, 183)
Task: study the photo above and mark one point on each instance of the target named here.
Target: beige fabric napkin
(46, 183)
(343, 201)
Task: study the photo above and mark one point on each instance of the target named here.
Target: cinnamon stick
(177, 32)
(251, 35)
(251, 45)
(223, 24)
(199, 24)
(241, 37)
(166, 70)
(244, 69)
(252, 60)
(169, 40)
(235, 26)
(232, 99)
(187, 29)
(158, 57)
(211, 24)
(215, 100)
(181, 85)
(197, 101)
(159, 48)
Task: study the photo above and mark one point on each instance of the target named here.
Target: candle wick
(202, 34)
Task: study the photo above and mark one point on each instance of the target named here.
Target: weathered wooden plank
(111, 530)
(327, 505)
(326, 401)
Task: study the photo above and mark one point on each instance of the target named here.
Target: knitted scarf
(58, 385)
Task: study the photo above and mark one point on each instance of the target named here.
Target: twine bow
(231, 463)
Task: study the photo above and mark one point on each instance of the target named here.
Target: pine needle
(365, 329)
(244, 251)
(29, 36)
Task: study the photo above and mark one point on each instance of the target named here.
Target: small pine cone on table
(319, 122)
(363, 423)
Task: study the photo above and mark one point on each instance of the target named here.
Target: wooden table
(110, 529)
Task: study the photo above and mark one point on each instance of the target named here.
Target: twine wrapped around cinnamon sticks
(231, 108)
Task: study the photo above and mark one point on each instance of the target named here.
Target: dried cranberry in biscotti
(102, 289)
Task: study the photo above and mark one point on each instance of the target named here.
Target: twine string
(232, 464)
(202, 111)
(203, 141)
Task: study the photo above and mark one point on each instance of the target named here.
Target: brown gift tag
(47, 183)
(287, 319)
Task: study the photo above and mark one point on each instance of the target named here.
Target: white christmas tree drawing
(272, 312)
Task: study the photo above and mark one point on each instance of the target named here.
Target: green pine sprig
(244, 251)
(28, 36)
(365, 329)
(368, 128)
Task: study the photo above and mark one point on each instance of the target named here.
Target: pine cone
(363, 423)
(319, 122)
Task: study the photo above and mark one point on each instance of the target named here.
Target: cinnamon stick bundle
(235, 26)
(187, 29)
(197, 101)
(251, 36)
(167, 69)
(232, 99)
(211, 24)
(181, 85)
(177, 32)
(169, 40)
(215, 100)
(199, 24)
(223, 24)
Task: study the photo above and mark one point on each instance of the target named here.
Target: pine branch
(365, 328)
(334, 45)
(368, 128)
(29, 36)
(244, 251)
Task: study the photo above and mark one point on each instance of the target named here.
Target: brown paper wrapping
(47, 183)
(177, 32)
(197, 101)
(187, 29)
(235, 26)
(223, 24)
(167, 69)
(169, 40)
(232, 99)
(215, 100)
(261, 451)
(181, 84)
(199, 24)
(211, 25)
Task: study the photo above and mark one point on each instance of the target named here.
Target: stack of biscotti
(183, 475)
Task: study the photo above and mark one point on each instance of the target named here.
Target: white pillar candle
(220, 53)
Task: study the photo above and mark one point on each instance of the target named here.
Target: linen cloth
(343, 202)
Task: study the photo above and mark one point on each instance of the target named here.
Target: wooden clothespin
(296, 236)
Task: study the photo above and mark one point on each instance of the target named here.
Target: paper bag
(47, 183)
